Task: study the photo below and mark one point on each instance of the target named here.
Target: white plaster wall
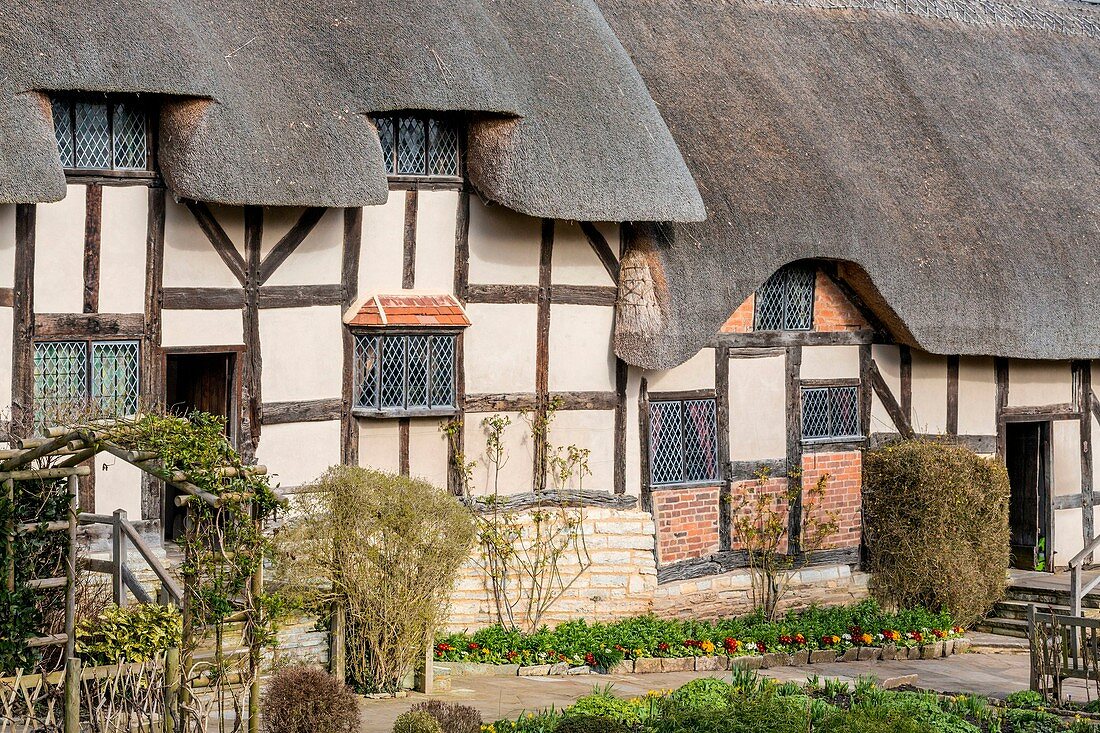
(378, 445)
(830, 362)
(1068, 537)
(302, 350)
(7, 321)
(428, 451)
(581, 356)
(929, 393)
(122, 249)
(1039, 383)
(504, 245)
(888, 360)
(202, 328)
(977, 396)
(7, 245)
(59, 254)
(1066, 457)
(189, 258)
(380, 261)
(695, 373)
(574, 262)
(594, 430)
(500, 348)
(517, 473)
(436, 221)
(317, 259)
(117, 486)
(278, 220)
(297, 453)
(758, 421)
(633, 433)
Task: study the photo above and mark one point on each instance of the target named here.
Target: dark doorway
(196, 382)
(1027, 456)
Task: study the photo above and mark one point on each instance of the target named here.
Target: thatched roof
(953, 159)
(267, 102)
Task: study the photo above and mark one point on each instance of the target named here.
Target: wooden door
(1027, 458)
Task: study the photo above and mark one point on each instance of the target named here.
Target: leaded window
(830, 412)
(683, 446)
(419, 145)
(400, 374)
(786, 301)
(101, 375)
(101, 133)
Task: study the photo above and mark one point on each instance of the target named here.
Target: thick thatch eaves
(947, 149)
(267, 103)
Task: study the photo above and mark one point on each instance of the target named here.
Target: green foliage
(1019, 720)
(936, 526)
(1025, 699)
(304, 699)
(590, 724)
(451, 716)
(129, 634)
(581, 642)
(603, 704)
(386, 548)
(416, 722)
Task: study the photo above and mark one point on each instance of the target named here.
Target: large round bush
(304, 699)
(935, 521)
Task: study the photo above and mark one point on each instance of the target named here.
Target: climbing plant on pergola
(224, 546)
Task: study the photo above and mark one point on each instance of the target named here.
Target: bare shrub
(416, 722)
(305, 699)
(935, 521)
(451, 716)
(384, 547)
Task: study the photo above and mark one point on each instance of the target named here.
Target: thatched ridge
(947, 148)
(266, 103)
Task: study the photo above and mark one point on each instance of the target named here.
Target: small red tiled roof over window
(422, 311)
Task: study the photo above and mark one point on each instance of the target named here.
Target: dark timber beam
(456, 444)
(1000, 366)
(289, 242)
(277, 413)
(722, 430)
(408, 256)
(783, 339)
(93, 224)
(793, 388)
(602, 249)
(542, 351)
(152, 367)
(349, 280)
(217, 236)
(89, 325)
(890, 403)
(22, 372)
(953, 395)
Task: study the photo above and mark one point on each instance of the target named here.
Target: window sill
(834, 439)
(708, 484)
(426, 183)
(134, 177)
(398, 412)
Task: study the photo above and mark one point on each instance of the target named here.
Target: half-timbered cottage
(710, 238)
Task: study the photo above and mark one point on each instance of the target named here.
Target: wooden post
(337, 642)
(9, 536)
(118, 557)
(171, 689)
(427, 675)
(70, 571)
(254, 653)
(72, 695)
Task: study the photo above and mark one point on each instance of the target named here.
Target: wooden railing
(122, 576)
(1078, 589)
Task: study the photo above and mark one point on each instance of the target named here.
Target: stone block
(682, 664)
(582, 669)
(800, 658)
(890, 653)
(932, 651)
(850, 655)
(624, 667)
(709, 664)
(537, 670)
(560, 668)
(962, 646)
(869, 653)
(773, 660)
(647, 665)
(822, 656)
(891, 683)
(948, 647)
(754, 662)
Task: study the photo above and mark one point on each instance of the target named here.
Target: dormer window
(102, 133)
(786, 301)
(419, 145)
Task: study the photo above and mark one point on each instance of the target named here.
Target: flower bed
(604, 645)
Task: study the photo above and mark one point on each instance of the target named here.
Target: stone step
(1048, 596)
(1003, 626)
(1012, 609)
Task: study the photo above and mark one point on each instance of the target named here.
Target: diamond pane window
(419, 145)
(786, 301)
(78, 374)
(830, 412)
(103, 133)
(683, 444)
(398, 374)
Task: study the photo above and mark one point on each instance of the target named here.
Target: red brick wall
(687, 523)
(842, 493)
(744, 495)
(832, 311)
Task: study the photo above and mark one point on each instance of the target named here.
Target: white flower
(846, 637)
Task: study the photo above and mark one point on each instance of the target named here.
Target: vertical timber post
(71, 701)
(337, 655)
(9, 537)
(118, 557)
(254, 656)
(170, 717)
(70, 570)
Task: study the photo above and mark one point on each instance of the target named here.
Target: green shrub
(1025, 699)
(590, 724)
(452, 717)
(935, 521)
(416, 722)
(759, 713)
(1019, 720)
(128, 634)
(602, 704)
(304, 699)
(864, 720)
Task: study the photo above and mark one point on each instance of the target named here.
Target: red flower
(663, 646)
(473, 646)
(938, 633)
(511, 655)
(760, 647)
(731, 645)
(590, 659)
(800, 638)
(785, 639)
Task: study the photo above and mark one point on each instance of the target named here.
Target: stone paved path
(990, 674)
